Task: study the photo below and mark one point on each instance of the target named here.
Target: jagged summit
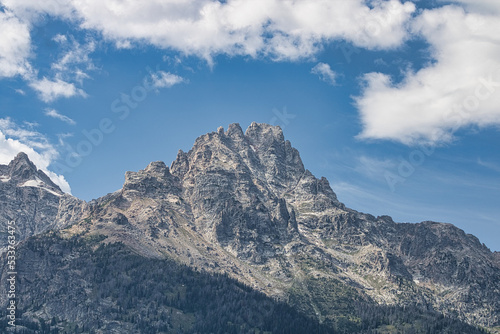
(21, 167)
(153, 181)
(240, 189)
(261, 134)
(31, 199)
(23, 172)
(22, 159)
(234, 131)
(262, 150)
(158, 168)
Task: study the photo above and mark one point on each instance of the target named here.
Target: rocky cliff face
(496, 256)
(244, 205)
(30, 199)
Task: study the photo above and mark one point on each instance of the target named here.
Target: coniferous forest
(108, 287)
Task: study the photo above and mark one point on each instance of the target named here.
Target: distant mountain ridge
(243, 205)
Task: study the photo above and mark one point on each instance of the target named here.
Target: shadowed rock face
(243, 204)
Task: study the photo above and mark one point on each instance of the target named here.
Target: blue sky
(396, 103)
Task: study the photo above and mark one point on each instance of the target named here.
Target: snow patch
(33, 183)
(37, 183)
(4, 178)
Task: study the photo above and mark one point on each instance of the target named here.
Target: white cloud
(49, 90)
(123, 44)
(163, 79)
(15, 139)
(75, 59)
(26, 134)
(461, 88)
(325, 73)
(281, 29)
(465, 46)
(15, 46)
(71, 67)
(482, 6)
(54, 114)
(59, 38)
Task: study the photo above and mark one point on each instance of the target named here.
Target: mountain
(30, 198)
(238, 211)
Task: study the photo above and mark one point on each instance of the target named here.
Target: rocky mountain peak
(23, 172)
(22, 167)
(262, 150)
(261, 134)
(180, 165)
(32, 200)
(154, 181)
(234, 131)
(157, 168)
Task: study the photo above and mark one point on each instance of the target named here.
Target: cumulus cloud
(51, 90)
(163, 79)
(15, 46)
(55, 114)
(325, 73)
(281, 29)
(15, 139)
(460, 88)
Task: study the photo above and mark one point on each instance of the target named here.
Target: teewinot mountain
(235, 237)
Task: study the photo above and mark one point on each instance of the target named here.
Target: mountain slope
(242, 204)
(79, 285)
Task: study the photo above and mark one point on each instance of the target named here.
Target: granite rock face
(496, 256)
(30, 199)
(242, 204)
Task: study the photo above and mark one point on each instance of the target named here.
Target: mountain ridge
(243, 204)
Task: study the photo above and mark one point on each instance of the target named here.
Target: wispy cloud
(325, 73)
(488, 165)
(70, 68)
(74, 61)
(51, 90)
(62, 137)
(374, 168)
(54, 114)
(163, 79)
